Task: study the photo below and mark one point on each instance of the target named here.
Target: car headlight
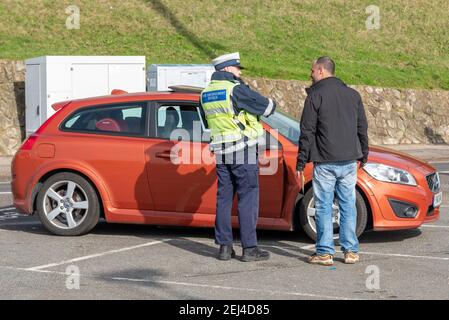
(386, 173)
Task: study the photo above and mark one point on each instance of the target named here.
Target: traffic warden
(233, 111)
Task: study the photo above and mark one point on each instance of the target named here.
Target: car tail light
(31, 140)
(29, 143)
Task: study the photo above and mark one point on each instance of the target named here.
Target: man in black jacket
(333, 136)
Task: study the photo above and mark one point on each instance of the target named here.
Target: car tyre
(309, 229)
(68, 205)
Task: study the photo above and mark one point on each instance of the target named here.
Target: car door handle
(166, 155)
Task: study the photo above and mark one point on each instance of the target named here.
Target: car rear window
(122, 119)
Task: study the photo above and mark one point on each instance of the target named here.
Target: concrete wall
(12, 106)
(396, 116)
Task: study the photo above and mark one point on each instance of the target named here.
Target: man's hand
(363, 162)
(300, 166)
(300, 177)
(300, 174)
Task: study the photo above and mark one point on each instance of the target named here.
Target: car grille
(433, 180)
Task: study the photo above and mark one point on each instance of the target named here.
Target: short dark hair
(327, 63)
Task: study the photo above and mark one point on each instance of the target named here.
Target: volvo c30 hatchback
(144, 159)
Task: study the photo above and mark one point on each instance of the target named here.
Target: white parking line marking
(433, 226)
(404, 256)
(188, 284)
(6, 209)
(308, 247)
(11, 224)
(396, 255)
(6, 192)
(309, 295)
(97, 255)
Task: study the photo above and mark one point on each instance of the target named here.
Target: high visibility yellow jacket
(225, 122)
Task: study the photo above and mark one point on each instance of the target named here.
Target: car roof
(138, 96)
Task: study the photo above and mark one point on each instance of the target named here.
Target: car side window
(179, 122)
(121, 119)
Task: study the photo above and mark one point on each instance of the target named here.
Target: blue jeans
(337, 178)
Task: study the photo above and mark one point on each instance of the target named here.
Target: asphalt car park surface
(148, 262)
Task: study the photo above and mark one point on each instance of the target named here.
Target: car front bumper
(385, 218)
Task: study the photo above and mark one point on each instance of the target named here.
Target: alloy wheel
(65, 204)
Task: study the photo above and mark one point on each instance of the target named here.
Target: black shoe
(226, 253)
(255, 254)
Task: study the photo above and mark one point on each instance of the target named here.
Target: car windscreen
(285, 124)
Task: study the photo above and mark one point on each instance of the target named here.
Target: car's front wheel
(68, 205)
(307, 215)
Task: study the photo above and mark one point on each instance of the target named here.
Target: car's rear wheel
(307, 215)
(68, 205)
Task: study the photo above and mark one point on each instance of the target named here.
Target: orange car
(119, 157)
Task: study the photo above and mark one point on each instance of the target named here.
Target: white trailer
(51, 79)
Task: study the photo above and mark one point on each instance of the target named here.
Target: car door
(180, 168)
(271, 177)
